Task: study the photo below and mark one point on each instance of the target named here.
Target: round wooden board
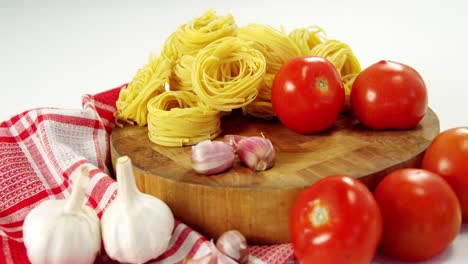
(258, 203)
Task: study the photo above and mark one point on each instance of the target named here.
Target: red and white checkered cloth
(39, 151)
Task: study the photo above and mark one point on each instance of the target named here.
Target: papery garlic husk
(212, 157)
(232, 140)
(234, 245)
(257, 153)
(63, 231)
(213, 257)
(136, 227)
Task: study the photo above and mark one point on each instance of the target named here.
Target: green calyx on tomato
(389, 95)
(319, 215)
(307, 94)
(322, 84)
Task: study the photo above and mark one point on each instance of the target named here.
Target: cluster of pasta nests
(210, 66)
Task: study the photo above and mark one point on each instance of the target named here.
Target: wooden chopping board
(258, 203)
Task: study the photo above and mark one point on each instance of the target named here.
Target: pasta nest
(178, 118)
(228, 73)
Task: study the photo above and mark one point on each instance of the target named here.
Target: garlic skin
(234, 245)
(214, 257)
(257, 153)
(136, 227)
(63, 231)
(212, 157)
(232, 140)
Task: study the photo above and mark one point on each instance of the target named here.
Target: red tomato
(389, 95)
(448, 156)
(336, 220)
(307, 94)
(420, 214)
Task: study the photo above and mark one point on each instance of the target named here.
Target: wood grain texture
(258, 203)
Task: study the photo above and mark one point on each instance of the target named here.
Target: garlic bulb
(63, 231)
(212, 157)
(234, 245)
(256, 153)
(136, 227)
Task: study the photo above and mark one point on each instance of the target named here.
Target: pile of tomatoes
(414, 213)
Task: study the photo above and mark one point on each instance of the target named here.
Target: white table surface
(53, 52)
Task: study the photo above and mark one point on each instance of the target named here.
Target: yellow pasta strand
(201, 31)
(148, 82)
(307, 38)
(261, 107)
(227, 73)
(275, 45)
(178, 118)
(277, 48)
(348, 81)
(341, 55)
(182, 78)
(169, 51)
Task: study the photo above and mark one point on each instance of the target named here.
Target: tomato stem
(319, 215)
(322, 84)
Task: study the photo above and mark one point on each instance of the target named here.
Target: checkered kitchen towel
(39, 151)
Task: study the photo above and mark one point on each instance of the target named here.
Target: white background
(53, 52)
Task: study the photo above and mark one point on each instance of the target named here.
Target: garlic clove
(212, 157)
(63, 231)
(136, 227)
(257, 153)
(213, 257)
(232, 140)
(234, 245)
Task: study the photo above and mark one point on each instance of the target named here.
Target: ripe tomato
(307, 94)
(389, 95)
(420, 214)
(336, 220)
(448, 156)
